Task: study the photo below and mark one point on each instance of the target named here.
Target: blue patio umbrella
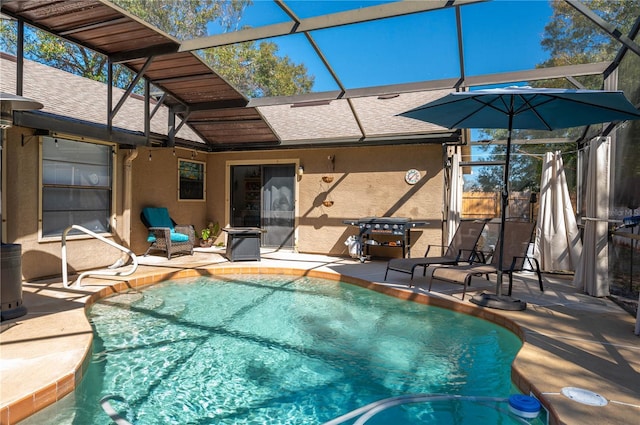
(524, 108)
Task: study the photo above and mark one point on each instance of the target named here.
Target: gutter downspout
(126, 205)
(128, 193)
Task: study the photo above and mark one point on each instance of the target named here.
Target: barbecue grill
(372, 227)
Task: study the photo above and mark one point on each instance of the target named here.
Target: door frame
(275, 161)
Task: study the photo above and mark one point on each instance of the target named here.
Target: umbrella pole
(498, 300)
(503, 209)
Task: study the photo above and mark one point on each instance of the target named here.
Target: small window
(191, 180)
(76, 186)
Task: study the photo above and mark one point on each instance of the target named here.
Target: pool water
(276, 349)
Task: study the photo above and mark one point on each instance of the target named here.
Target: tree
(45, 48)
(570, 39)
(259, 71)
(525, 163)
(254, 69)
(185, 19)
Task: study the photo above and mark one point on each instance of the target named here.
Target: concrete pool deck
(570, 339)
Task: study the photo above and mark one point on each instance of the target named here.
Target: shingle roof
(68, 95)
(376, 118)
(213, 109)
(332, 121)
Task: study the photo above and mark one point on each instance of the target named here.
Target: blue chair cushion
(175, 237)
(158, 217)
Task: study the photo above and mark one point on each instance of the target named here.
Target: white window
(191, 180)
(76, 186)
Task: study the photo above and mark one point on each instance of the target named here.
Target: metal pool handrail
(367, 412)
(65, 280)
(109, 410)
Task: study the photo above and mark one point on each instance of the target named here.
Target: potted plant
(205, 236)
(208, 234)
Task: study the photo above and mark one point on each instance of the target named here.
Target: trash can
(11, 283)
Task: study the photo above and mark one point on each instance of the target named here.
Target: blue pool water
(283, 350)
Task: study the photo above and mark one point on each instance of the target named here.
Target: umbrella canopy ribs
(524, 108)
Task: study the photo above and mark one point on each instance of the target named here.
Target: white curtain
(455, 197)
(557, 245)
(593, 269)
(637, 332)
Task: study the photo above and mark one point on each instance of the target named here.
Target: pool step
(125, 298)
(131, 302)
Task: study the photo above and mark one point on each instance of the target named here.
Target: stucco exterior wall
(367, 181)
(20, 214)
(155, 184)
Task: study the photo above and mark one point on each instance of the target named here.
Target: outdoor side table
(243, 243)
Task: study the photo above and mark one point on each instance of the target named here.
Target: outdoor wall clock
(412, 176)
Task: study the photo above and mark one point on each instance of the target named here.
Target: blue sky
(499, 36)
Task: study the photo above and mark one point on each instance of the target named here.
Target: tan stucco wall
(368, 181)
(20, 214)
(155, 184)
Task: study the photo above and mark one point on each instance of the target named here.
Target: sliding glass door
(264, 196)
(278, 205)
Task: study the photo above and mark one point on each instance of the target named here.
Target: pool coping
(25, 406)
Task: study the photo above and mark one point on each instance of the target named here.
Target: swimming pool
(276, 349)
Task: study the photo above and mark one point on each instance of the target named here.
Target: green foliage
(570, 39)
(258, 71)
(186, 19)
(211, 231)
(50, 50)
(254, 69)
(205, 233)
(525, 167)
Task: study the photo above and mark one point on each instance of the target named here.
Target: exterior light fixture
(11, 102)
(332, 162)
(300, 171)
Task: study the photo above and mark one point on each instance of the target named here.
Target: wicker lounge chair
(461, 249)
(517, 236)
(165, 235)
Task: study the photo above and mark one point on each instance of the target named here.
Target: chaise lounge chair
(517, 236)
(165, 235)
(461, 249)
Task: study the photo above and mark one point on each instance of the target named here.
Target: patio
(571, 339)
(561, 349)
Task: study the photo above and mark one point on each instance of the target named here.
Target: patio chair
(517, 236)
(461, 249)
(165, 235)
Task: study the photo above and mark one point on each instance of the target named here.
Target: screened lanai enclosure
(281, 76)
